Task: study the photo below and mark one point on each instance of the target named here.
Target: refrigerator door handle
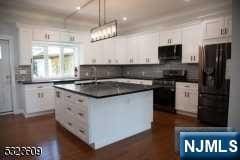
(217, 68)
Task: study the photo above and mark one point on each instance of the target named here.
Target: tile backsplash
(156, 70)
(103, 71)
(23, 73)
(137, 71)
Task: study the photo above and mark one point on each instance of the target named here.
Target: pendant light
(105, 31)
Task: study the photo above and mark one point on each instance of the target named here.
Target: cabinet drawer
(81, 131)
(187, 85)
(74, 98)
(38, 86)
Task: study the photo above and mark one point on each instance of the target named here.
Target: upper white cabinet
(109, 49)
(220, 27)
(69, 37)
(93, 53)
(191, 40)
(46, 35)
(133, 50)
(25, 46)
(171, 37)
(148, 45)
(121, 50)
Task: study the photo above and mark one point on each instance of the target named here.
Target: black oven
(164, 96)
(164, 99)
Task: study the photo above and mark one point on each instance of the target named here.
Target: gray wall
(234, 104)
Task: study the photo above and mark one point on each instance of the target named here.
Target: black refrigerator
(214, 86)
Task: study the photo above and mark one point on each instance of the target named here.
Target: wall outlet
(87, 74)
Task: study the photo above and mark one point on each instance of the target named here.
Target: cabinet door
(181, 99)
(46, 35)
(32, 101)
(133, 50)
(69, 37)
(109, 51)
(148, 45)
(25, 46)
(191, 39)
(47, 99)
(193, 101)
(171, 37)
(121, 50)
(213, 28)
(228, 26)
(93, 53)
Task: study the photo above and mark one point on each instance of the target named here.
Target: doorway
(6, 104)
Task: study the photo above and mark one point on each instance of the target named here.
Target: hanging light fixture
(105, 31)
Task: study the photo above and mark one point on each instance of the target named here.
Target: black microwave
(173, 52)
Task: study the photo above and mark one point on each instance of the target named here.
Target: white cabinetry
(133, 50)
(93, 53)
(46, 35)
(69, 37)
(25, 46)
(121, 50)
(171, 37)
(191, 40)
(216, 28)
(109, 49)
(38, 98)
(187, 98)
(148, 45)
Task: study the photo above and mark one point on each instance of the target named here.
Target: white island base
(103, 121)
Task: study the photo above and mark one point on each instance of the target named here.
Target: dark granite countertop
(50, 81)
(105, 89)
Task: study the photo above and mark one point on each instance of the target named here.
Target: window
(53, 61)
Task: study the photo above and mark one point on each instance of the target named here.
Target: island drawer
(74, 98)
(81, 131)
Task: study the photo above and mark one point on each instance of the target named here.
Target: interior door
(5, 78)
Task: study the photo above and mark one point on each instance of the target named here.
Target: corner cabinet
(217, 28)
(171, 37)
(187, 98)
(25, 46)
(38, 99)
(191, 40)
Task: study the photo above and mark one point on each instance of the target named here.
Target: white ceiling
(137, 11)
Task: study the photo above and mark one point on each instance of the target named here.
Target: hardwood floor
(57, 143)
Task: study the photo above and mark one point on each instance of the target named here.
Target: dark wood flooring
(57, 143)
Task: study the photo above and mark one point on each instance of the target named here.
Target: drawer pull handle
(40, 87)
(69, 109)
(80, 100)
(69, 96)
(69, 123)
(81, 114)
(187, 86)
(82, 131)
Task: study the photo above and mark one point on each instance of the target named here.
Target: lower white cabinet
(186, 97)
(38, 98)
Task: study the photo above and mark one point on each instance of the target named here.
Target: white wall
(9, 29)
(234, 104)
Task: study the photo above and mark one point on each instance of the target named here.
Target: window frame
(76, 60)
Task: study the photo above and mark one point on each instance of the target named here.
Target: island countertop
(105, 89)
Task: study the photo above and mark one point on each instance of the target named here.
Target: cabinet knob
(69, 123)
(81, 114)
(80, 100)
(69, 109)
(82, 131)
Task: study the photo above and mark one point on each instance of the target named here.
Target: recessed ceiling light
(125, 18)
(78, 8)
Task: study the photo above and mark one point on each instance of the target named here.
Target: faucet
(94, 73)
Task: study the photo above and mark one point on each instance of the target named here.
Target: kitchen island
(106, 112)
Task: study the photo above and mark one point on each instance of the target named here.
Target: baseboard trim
(29, 115)
(186, 113)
